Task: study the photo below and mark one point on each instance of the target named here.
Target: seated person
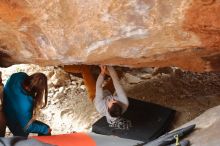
(2, 117)
(23, 96)
(112, 107)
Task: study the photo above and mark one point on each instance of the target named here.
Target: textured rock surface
(190, 94)
(133, 33)
(69, 108)
(207, 133)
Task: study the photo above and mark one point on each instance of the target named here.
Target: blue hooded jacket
(18, 108)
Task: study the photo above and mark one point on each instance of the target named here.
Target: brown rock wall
(136, 33)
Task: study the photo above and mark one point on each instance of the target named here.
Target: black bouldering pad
(149, 121)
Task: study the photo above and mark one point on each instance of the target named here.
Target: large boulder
(207, 128)
(134, 33)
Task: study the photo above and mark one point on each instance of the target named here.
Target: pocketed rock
(60, 78)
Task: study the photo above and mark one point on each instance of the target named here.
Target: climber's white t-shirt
(104, 96)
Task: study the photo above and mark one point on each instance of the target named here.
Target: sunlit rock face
(134, 33)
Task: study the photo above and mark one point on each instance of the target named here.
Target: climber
(89, 79)
(91, 86)
(108, 105)
(23, 97)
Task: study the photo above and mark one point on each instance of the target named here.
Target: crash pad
(149, 121)
(86, 139)
(76, 139)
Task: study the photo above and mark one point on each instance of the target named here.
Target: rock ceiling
(134, 33)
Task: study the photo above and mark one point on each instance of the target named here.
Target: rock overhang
(136, 33)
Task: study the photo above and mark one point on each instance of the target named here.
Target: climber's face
(111, 102)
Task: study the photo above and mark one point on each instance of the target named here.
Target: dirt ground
(190, 94)
(69, 109)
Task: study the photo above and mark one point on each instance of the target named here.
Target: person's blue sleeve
(38, 127)
(35, 126)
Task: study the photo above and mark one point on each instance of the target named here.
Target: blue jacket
(18, 108)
